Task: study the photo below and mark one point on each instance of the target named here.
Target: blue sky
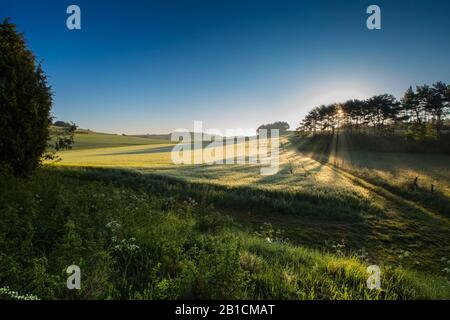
(155, 66)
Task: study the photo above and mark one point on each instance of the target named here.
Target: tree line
(420, 114)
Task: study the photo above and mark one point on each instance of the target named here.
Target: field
(361, 202)
(150, 229)
(144, 237)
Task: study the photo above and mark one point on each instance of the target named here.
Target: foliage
(6, 293)
(25, 103)
(61, 138)
(420, 114)
(282, 126)
(62, 124)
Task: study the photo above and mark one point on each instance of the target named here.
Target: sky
(139, 67)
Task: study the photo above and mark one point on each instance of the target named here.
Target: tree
(25, 103)
(280, 125)
(422, 113)
(382, 110)
(422, 105)
(61, 124)
(410, 109)
(60, 138)
(437, 104)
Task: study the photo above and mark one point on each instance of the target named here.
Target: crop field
(310, 201)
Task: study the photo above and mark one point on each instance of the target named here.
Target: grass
(315, 218)
(312, 201)
(393, 171)
(200, 231)
(134, 243)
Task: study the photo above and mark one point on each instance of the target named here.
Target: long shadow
(193, 147)
(144, 151)
(246, 197)
(317, 147)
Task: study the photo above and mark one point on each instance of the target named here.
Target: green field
(313, 202)
(94, 140)
(225, 231)
(138, 236)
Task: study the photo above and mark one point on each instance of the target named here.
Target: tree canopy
(282, 126)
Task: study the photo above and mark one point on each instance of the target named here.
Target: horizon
(148, 68)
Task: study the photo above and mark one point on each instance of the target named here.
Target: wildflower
(113, 225)
(5, 291)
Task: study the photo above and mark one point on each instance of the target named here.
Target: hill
(314, 203)
(85, 139)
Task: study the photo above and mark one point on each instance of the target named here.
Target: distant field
(308, 168)
(111, 150)
(114, 151)
(93, 140)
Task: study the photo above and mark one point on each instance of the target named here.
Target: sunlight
(339, 95)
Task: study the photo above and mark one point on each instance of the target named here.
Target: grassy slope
(319, 205)
(110, 150)
(416, 216)
(140, 236)
(318, 218)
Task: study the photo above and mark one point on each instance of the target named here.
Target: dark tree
(25, 103)
(280, 125)
(62, 124)
(437, 104)
(410, 106)
(381, 111)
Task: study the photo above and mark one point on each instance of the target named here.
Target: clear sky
(155, 66)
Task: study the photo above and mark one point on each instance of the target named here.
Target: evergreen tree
(25, 103)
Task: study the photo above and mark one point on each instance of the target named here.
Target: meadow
(317, 198)
(313, 202)
(138, 236)
(143, 228)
